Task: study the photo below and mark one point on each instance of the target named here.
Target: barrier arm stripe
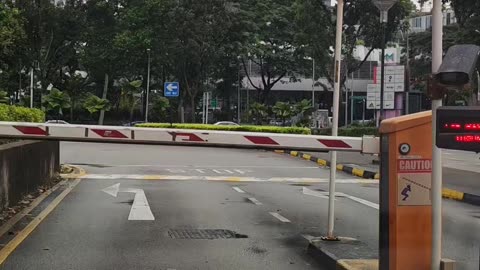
(166, 136)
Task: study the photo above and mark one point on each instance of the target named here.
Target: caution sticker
(414, 182)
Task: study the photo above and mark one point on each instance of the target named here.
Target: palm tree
(282, 110)
(130, 92)
(301, 109)
(94, 104)
(56, 101)
(258, 111)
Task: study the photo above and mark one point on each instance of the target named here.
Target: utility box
(405, 192)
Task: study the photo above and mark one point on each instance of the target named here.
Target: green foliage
(4, 99)
(159, 108)
(349, 132)
(94, 104)
(21, 114)
(56, 101)
(259, 112)
(268, 129)
(282, 110)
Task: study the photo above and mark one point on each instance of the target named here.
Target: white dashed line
(280, 217)
(255, 201)
(239, 190)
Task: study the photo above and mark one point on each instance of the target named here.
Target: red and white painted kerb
(187, 137)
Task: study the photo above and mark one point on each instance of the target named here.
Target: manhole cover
(203, 234)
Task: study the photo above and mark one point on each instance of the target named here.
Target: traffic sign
(171, 89)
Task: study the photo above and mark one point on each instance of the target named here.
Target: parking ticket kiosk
(405, 192)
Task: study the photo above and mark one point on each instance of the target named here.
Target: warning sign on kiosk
(414, 181)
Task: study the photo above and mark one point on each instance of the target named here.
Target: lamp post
(383, 6)
(313, 83)
(336, 100)
(148, 86)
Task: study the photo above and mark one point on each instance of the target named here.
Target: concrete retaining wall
(24, 166)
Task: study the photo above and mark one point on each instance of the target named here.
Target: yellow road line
(294, 153)
(279, 151)
(339, 167)
(306, 157)
(11, 222)
(22, 235)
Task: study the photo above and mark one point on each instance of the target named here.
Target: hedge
(268, 129)
(20, 114)
(349, 132)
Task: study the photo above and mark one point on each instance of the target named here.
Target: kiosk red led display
(458, 128)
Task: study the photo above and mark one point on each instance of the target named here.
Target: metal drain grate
(203, 234)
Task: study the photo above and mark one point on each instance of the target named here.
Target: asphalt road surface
(172, 203)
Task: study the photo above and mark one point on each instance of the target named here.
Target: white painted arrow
(324, 195)
(140, 209)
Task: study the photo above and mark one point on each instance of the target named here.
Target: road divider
(368, 174)
(355, 171)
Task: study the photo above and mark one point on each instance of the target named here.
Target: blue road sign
(171, 89)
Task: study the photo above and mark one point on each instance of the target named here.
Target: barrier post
(405, 192)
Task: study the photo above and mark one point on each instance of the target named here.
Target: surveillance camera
(458, 66)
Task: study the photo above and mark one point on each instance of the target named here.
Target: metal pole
(206, 107)
(238, 94)
(407, 77)
(382, 79)
(248, 89)
(346, 100)
(313, 84)
(478, 86)
(203, 108)
(148, 86)
(437, 50)
(31, 87)
(363, 111)
(336, 99)
(352, 102)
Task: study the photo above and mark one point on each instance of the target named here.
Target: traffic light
(458, 66)
(458, 128)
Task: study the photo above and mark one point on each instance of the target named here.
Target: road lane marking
(200, 166)
(307, 191)
(362, 201)
(280, 217)
(23, 234)
(239, 190)
(255, 201)
(324, 195)
(241, 171)
(11, 222)
(227, 178)
(140, 209)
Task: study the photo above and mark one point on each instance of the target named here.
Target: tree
(159, 108)
(259, 112)
(56, 101)
(4, 98)
(282, 110)
(131, 90)
(94, 104)
(75, 88)
(271, 44)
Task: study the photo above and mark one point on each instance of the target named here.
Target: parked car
(61, 122)
(132, 124)
(226, 123)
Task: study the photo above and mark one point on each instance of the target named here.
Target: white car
(226, 123)
(60, 122)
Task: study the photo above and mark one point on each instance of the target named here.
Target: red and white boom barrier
(162, 136)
